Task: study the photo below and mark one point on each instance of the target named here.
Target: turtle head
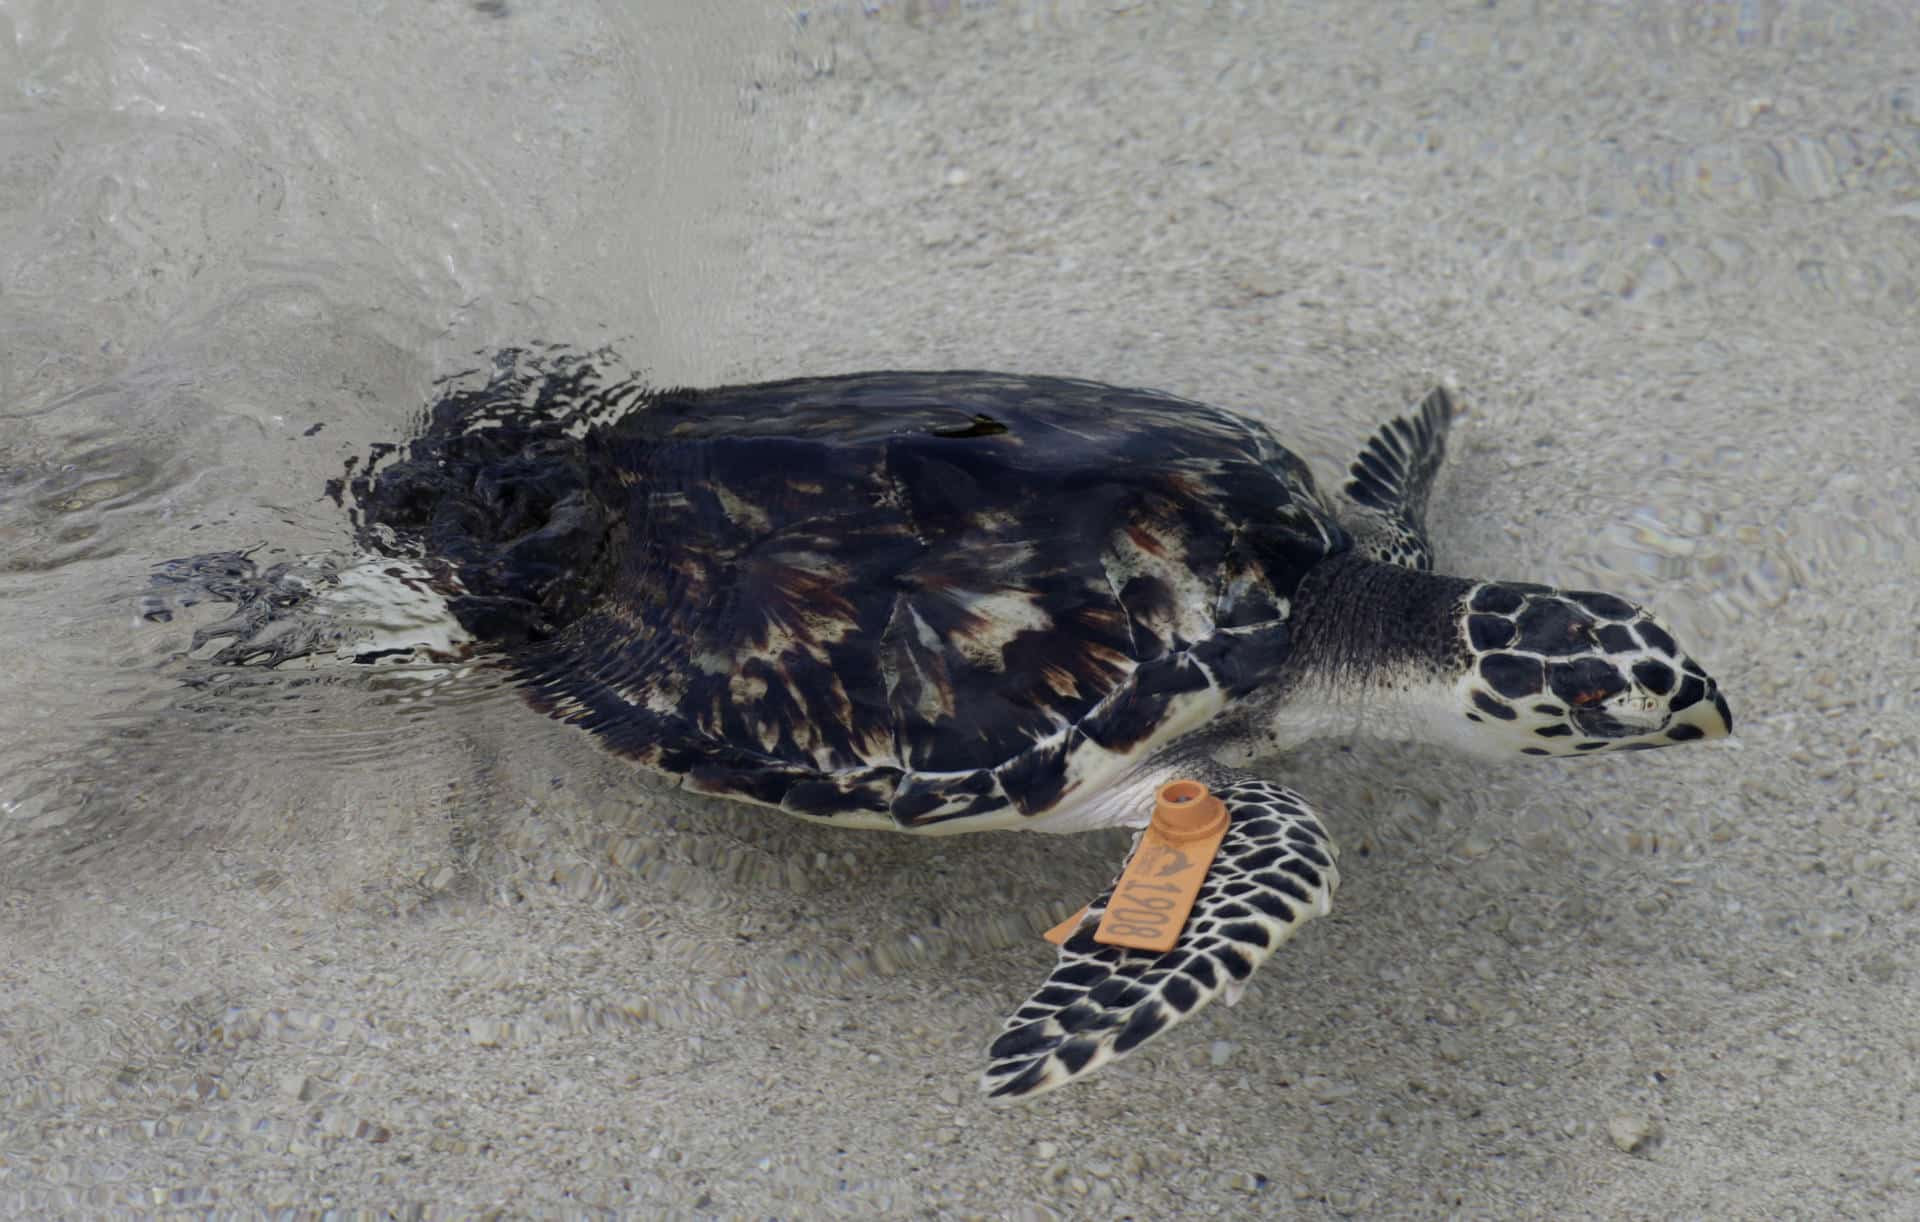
(1572, 672)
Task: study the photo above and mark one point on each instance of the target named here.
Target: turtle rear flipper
(1388, 484)
(1273, 872)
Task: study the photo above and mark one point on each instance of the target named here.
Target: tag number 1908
(1137, 915)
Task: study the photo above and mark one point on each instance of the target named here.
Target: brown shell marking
(846, 597)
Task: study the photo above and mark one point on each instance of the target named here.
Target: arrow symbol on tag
(1166, 862)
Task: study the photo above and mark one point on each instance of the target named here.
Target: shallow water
(238, 253)
(319, 937)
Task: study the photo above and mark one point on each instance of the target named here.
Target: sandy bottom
(1667, 254)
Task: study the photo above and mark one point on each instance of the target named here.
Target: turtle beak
(1709, 718)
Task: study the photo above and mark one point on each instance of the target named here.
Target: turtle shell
(910, 599)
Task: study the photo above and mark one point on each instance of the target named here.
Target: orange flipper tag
(1162, 879)
(1059, 934)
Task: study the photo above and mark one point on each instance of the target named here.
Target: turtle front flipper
(1274, 871)
(1388, 483)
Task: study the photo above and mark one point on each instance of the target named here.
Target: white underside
(1128, 802)
(1409, 709)
(1124, 797)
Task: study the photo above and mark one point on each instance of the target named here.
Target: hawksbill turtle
(952, 602)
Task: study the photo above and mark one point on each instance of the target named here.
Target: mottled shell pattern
(929, 601)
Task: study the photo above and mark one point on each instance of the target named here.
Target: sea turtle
(961, 601)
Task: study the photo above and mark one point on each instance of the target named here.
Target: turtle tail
(496, 497)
